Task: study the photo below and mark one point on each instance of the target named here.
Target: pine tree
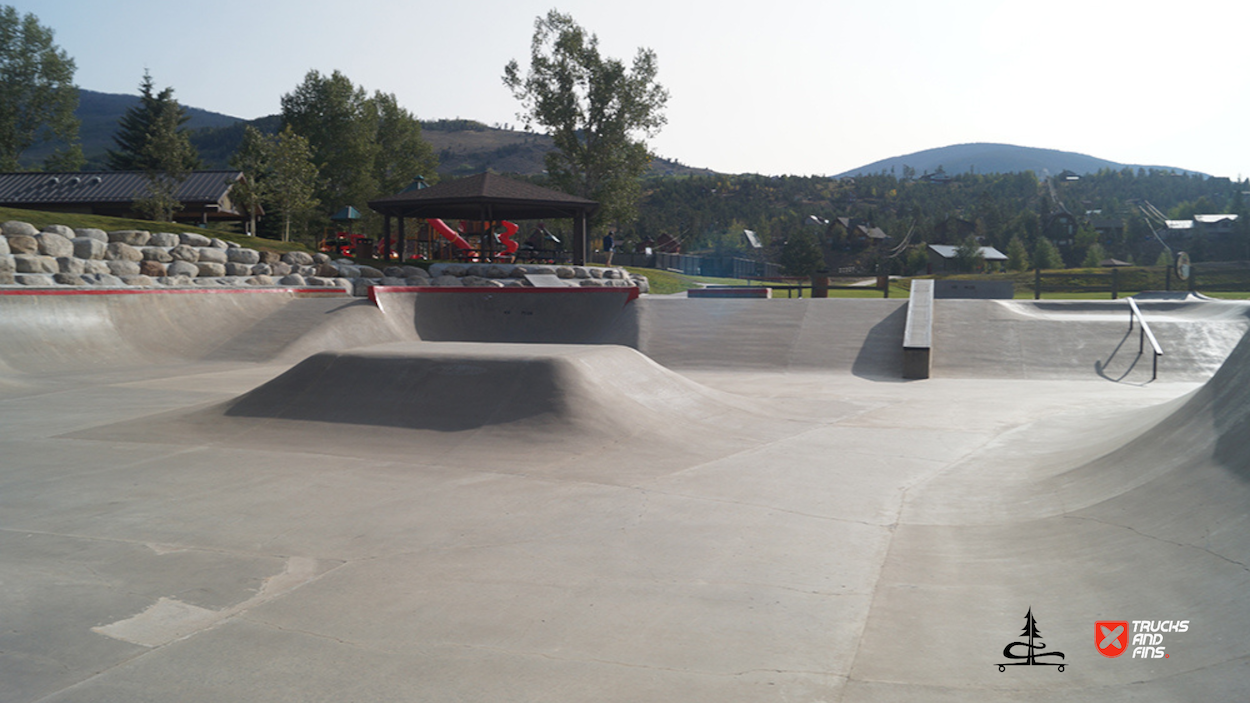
(168, 159)
(135, 127)
(1017, 255)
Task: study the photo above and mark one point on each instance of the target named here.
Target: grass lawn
(42, 219)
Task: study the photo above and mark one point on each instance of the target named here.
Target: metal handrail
(1134, 311)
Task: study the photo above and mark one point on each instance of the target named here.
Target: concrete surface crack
(1135, 531)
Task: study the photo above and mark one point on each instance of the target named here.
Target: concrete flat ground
(273, 498)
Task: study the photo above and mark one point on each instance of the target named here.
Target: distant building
(1212, 226)
(942, 258)
(205, 195)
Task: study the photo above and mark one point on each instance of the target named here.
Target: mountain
(995, 158)
(464, 146)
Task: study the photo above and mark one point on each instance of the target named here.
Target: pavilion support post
(581, 239)
(386, 237)
(401, 242)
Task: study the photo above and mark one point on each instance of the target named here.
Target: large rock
(106, 280)
(34, 263)
(566, 272)
(54, 244)
(160, 254)
(437, 270)
(270, 257)
(152, 268)
(164, 239)
(175, 281)
(89, 248)
(14, 228)
(259, 280)
(211, 255)
(192, 239)
(185, 252)
(95, 266)
(321, 258)
(7, 266)
(4, 247)
(370, 272)
(61, 230)
(218, 244)
(120, 251)
(22, 244)
(68, 264)
(327, 270)
(243, 256)
(69, 279)
(292, 280)
(182, 268)
(446, 281)
(139, 281)
(133, 237)
(233, 269)
(262, 270)
(122, 267)
(42, 280)
(209, 269)
(92, 233)
(281, 269)
(300, 258)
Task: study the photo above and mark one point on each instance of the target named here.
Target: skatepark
(295, 495)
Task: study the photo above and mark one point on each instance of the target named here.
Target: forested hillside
(709, 213)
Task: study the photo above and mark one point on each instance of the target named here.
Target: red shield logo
(1111, 637)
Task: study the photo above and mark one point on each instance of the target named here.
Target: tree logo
(1111, 637)
(1032, 647)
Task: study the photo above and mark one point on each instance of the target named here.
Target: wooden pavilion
(487, 197)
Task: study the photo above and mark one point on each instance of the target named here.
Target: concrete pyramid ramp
(549, 406)
(1139, 517)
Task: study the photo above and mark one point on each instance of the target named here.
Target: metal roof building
(205, 195)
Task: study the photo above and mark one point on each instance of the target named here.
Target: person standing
(609, 244)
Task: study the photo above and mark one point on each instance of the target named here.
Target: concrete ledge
(918, 334)
(731, 292)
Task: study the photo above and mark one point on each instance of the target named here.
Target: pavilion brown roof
(486, 196)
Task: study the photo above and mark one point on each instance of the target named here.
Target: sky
(783, 87)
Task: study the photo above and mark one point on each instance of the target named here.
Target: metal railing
(1135, 312)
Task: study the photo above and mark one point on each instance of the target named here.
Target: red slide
(450, 234)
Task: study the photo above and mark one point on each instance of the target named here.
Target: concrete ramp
(1082, 339)
(1136, 516)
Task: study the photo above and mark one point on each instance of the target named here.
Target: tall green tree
(136, 126)
(596, 109)
(1046, 255)
(968, 256)
(1017, 255)
(801, 255)
(168, 160)
(278, 171)
(249, 193)
(336, 118)
(402, 154)
(293, 179)
(37, 93)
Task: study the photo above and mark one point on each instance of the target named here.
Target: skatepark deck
(263, 496)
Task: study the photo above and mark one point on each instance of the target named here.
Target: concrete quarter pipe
(265, 496)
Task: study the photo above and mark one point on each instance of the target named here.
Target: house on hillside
(1211, 226)
(942, 258)
(205, 195)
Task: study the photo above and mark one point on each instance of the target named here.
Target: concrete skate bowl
(53, 334)
(1082, 339)
(1135, 516)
